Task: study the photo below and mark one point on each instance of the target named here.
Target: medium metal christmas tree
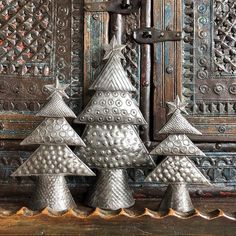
(53, 159)
(112, 142)
(177, 169)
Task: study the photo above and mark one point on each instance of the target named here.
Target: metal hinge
(114, 6)
(152, 35)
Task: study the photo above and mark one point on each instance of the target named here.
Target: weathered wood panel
(167, 61)
(96, 25)
(134, 221)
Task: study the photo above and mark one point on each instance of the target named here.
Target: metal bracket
(114, 6)
(152, 35)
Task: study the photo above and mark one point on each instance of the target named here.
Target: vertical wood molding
(146, 71)
(96, 25)
(167, 55)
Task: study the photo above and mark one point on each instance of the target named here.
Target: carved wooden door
(39, 41)
(202, 69)
(207, 78)
(44, 39)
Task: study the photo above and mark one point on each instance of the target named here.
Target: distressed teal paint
(167, 54)
(168, 15)
(158, 61)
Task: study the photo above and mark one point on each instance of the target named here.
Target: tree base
(52, 192)
(177, 198)
(111, 191)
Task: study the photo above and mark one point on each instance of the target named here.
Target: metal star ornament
(113, 48)
(176, 105)
(57, 88)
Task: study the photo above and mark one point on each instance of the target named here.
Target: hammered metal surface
(178, 144)
(113, 77)
(113, 146)
(176, 169)
(111, 107)
(177, 198)
(54, 131)
(111, 191)
(53, 160)
(56, 107)
(177, 124)
(51, 191)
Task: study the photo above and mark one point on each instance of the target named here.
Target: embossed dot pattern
(113, 146)
(176, 169)
(53, 160)
(177, 145)
(111, 107)
(56, 131)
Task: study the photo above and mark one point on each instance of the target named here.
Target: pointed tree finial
(57, 87)
(176, 105)
(113, 48)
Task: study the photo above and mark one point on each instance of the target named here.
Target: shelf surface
(213, 216)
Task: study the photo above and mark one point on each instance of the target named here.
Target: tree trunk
(177, 198)
(52, 192)
(111, 191)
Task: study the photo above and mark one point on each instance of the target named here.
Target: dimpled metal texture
(111, 191)
(113, 146)
(51, 191)
(53, 160)
(111, 107)
(177, 169)
(177, 198)
(113, 77)
(178, 144)
(56, 107)
(177, 124)
(54, 131)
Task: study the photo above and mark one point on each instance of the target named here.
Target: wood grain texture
(167, 55)
(96, 25)
(138, 220)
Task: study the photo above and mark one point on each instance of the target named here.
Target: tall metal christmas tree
(177, 169)
(112, 142)
(53, 159)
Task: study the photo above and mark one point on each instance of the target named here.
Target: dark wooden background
(44, 39)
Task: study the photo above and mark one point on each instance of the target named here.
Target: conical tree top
(178, 124)
(113, 76)
(53, 160)
(111, 107)
(177, 169)
(177, 144)
(113, 146)
(54, 131)
(56, 107)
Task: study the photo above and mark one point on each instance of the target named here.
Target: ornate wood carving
(209, 66)
(208, 79)
(219, 168)
(132, 52)
(40, 40)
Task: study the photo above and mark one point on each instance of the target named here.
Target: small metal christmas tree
(177, 169)
(53, 159)
(112, 142)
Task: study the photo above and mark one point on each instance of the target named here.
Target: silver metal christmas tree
(53, 159)
(112, 142)
(177, 170)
